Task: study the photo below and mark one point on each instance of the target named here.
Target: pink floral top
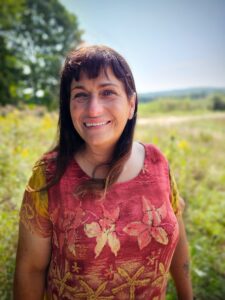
(117, 248)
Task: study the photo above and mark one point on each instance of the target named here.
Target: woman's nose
(95, 106)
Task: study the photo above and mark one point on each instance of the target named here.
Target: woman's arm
(33, 255)
(180, 266)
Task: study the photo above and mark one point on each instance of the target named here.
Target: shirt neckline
(121, 182)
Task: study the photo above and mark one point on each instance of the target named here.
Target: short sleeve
(174, 194)
(34, 209)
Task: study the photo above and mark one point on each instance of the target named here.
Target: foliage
(183, 105)
(195, 150)
(34, 36)
(218, 103)
(20, 133)
(11, 71)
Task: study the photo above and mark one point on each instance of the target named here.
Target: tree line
(34, 39)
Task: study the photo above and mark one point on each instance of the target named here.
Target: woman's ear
(132, 102)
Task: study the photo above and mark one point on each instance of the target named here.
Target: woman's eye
(80, 96)
(108, 93)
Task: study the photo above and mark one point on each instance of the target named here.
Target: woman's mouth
(95, 124)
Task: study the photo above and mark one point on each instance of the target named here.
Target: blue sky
(169, 44)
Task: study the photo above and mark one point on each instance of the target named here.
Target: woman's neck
(98, 156)
(89, 158)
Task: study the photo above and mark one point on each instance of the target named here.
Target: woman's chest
(129, 221)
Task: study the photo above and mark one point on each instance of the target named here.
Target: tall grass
(24, 136)
(195, 150)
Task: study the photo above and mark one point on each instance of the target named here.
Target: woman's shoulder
(154, 153)
(47, 159)
(44, 165)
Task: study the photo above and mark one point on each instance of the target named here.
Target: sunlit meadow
(195, 149)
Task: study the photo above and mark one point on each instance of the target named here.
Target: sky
(169, 44)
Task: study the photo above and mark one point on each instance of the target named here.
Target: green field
(193, 143)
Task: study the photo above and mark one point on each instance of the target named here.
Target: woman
(100, 217)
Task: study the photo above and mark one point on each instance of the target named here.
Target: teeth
(95, 124)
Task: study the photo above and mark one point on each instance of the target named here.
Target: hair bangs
(90, 63)
(94, 60)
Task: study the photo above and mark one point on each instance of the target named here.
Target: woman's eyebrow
(104, 84)
(107, 84)
(77, 87)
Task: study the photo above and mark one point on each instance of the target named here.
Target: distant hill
(194, 93)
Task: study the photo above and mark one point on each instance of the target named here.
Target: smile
(96, 124)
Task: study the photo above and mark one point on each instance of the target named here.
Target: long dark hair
(91, 60)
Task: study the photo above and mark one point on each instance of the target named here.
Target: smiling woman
(99, 110)
(101, 213)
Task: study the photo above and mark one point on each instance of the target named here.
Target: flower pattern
(99, 248)
(60, 278)
(159, 282)
(104, 231)
(131, 282)
(68, 222)
(90, 294)
(109, 272)
(150, 227)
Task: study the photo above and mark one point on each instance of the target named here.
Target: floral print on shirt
(120, 248)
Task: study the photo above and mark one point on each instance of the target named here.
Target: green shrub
(218, 103)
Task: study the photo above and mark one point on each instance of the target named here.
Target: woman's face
(100, 109)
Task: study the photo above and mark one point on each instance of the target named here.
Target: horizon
(186, 88)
